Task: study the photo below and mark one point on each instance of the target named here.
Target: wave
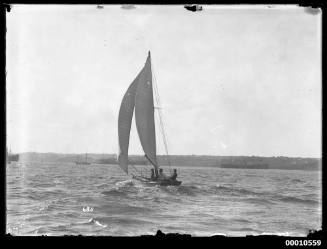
(103, 185)
(117, 208)
(119, 220)
(296, 200)
(67, 229)
(128, 189)
(246, 229)
(96, 222)
(125, 183)
(114, 192)
(57, 182)
(39, 195)
(42, 185)
(72, 228)
(255, 200)
(263, 197)
(204, 176)
(235, 191)
(189, 190)
(124, 188)
(286, 234)
(240, 220)
(297, 181)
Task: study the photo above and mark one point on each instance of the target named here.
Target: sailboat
(138, 99)
(11, 157)
(83, 162)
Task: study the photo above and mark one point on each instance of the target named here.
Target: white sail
(139, 96)
(124, 123)
(144, 113)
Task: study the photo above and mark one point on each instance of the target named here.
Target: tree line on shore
(279, 162)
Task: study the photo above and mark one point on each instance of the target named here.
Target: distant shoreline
(279, 162)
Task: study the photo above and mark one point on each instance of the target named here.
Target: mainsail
(124, 123)
(139, 96)
(144, 113)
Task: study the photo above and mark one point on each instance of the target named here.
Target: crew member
(153, 177)
(174, 175)
(162, 176)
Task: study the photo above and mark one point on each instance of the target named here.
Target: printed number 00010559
(304, 242)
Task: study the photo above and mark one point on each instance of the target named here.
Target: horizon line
(98, 153)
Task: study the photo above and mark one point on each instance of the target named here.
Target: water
(64, 198)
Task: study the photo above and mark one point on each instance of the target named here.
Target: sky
(232, 80)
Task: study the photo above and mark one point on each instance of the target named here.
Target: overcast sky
(232, 81)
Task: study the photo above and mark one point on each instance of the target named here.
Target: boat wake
(125, 183)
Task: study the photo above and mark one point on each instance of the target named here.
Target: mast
(155, 168)
(162, 127)
(144, 114)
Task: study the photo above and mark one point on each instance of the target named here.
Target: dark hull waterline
(165, 182)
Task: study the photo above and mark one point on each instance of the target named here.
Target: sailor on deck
(174, 175)
(153, 177)
(162, 176)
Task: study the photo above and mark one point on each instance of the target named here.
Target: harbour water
(69, 199)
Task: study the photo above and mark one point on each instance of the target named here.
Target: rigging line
(135, 169)
(139, 172)
(165, 142)
(161, 122)
(149, 161)
(160, 117)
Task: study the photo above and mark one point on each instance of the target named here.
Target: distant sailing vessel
(139, 96)
(83, 162)
(11, 157)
